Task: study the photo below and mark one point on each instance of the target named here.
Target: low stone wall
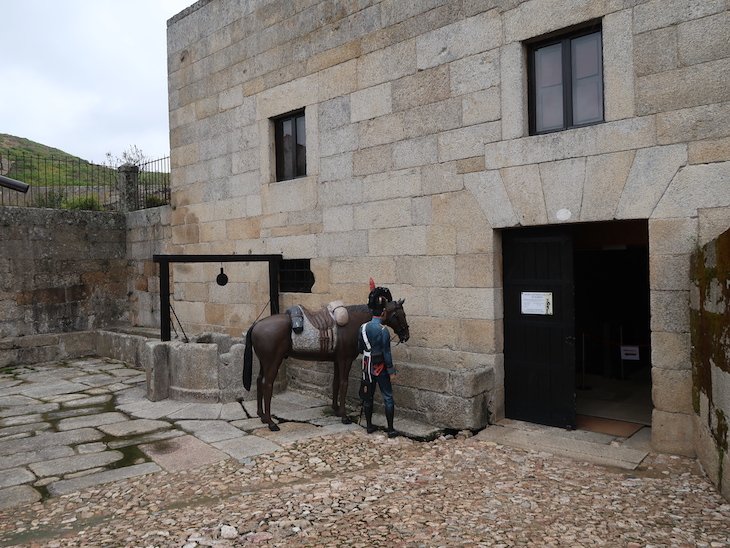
(34, 349)
(459, 399)
(61, 271)
(710, 325)
(209, 368)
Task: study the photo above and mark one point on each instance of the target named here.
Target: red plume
(372, 284)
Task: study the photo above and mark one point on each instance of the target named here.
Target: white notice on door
(535, 302)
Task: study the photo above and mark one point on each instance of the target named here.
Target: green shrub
(85, 203)
(51, 199)
(154, 201)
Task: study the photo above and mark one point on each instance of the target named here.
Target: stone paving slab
(90, 420)
(198, 411)
(297, 398)
(15, 496)
(12, 401)
(20, 419)
(95, 380)
(15, 476)
(410, 428)
(64, 487)
(124, 372)
(248, 425)
(291, 432)
(88, 401)
(338, 428)
(641, 440)
(76, 463)
(152, 410)
(607, 455)
(210, 430)
(27, 457)
(247, 446)
(292, 406)
(21, 428)
(132, 395)
(182, 453)
(69, 413)
(133, 427)
(40, 389)
(95, 447)
(48, 439)
(63, 398)
(232, 411)
(146, 438)
(27, 409)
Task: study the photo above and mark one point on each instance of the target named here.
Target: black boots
(389, 411)
(368, 408)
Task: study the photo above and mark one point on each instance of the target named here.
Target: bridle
(396, 321)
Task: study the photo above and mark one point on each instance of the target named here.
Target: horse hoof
(346, 420)
(273, 427)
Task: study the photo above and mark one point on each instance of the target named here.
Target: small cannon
(12, 184)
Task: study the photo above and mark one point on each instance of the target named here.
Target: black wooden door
(539, 326)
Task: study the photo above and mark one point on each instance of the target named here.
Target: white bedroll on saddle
(319, 329)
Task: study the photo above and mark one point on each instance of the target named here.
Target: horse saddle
(317, 329)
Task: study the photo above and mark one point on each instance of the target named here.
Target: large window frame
(565, 39)
(291, 161)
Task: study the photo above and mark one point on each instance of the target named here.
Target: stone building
(531, 176)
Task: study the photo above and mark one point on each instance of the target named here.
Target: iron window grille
(295, 276)
(565, 80)
(290, 138)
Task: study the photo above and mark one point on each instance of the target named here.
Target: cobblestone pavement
(338, 487)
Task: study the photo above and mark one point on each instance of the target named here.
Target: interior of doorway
(612, 322)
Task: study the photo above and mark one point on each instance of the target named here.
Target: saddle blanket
(311, 339)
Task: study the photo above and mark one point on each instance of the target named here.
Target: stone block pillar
(128, 187)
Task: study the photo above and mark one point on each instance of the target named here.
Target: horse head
(395, 318)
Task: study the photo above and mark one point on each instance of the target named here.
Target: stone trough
(209, 368)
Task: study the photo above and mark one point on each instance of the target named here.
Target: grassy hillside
(41, 165)
(59, 179)
(18, 145)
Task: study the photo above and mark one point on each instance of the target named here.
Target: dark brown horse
(272, 342)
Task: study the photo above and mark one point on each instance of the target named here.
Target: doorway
(576, 313)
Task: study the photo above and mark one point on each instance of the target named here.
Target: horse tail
(248, 359)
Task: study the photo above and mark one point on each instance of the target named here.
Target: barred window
(295, 276)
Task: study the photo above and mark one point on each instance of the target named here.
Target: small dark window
(291, 146)
(295, 276)
(566, 81)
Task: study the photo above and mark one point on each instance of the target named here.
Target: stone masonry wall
(710, 321)
(148, 234)
(418, 153)
(61, 271)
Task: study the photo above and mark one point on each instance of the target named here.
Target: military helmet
(377, 299)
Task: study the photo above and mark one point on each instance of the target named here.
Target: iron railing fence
(72, 183)
(154, 182)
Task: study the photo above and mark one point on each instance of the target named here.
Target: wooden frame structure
(165, 260)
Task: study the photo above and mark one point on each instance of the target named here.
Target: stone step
(550, 442)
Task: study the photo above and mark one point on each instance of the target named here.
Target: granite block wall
(418, 154)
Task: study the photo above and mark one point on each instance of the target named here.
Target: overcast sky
(86, 76)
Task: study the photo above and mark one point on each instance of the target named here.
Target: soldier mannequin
(380, 370)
